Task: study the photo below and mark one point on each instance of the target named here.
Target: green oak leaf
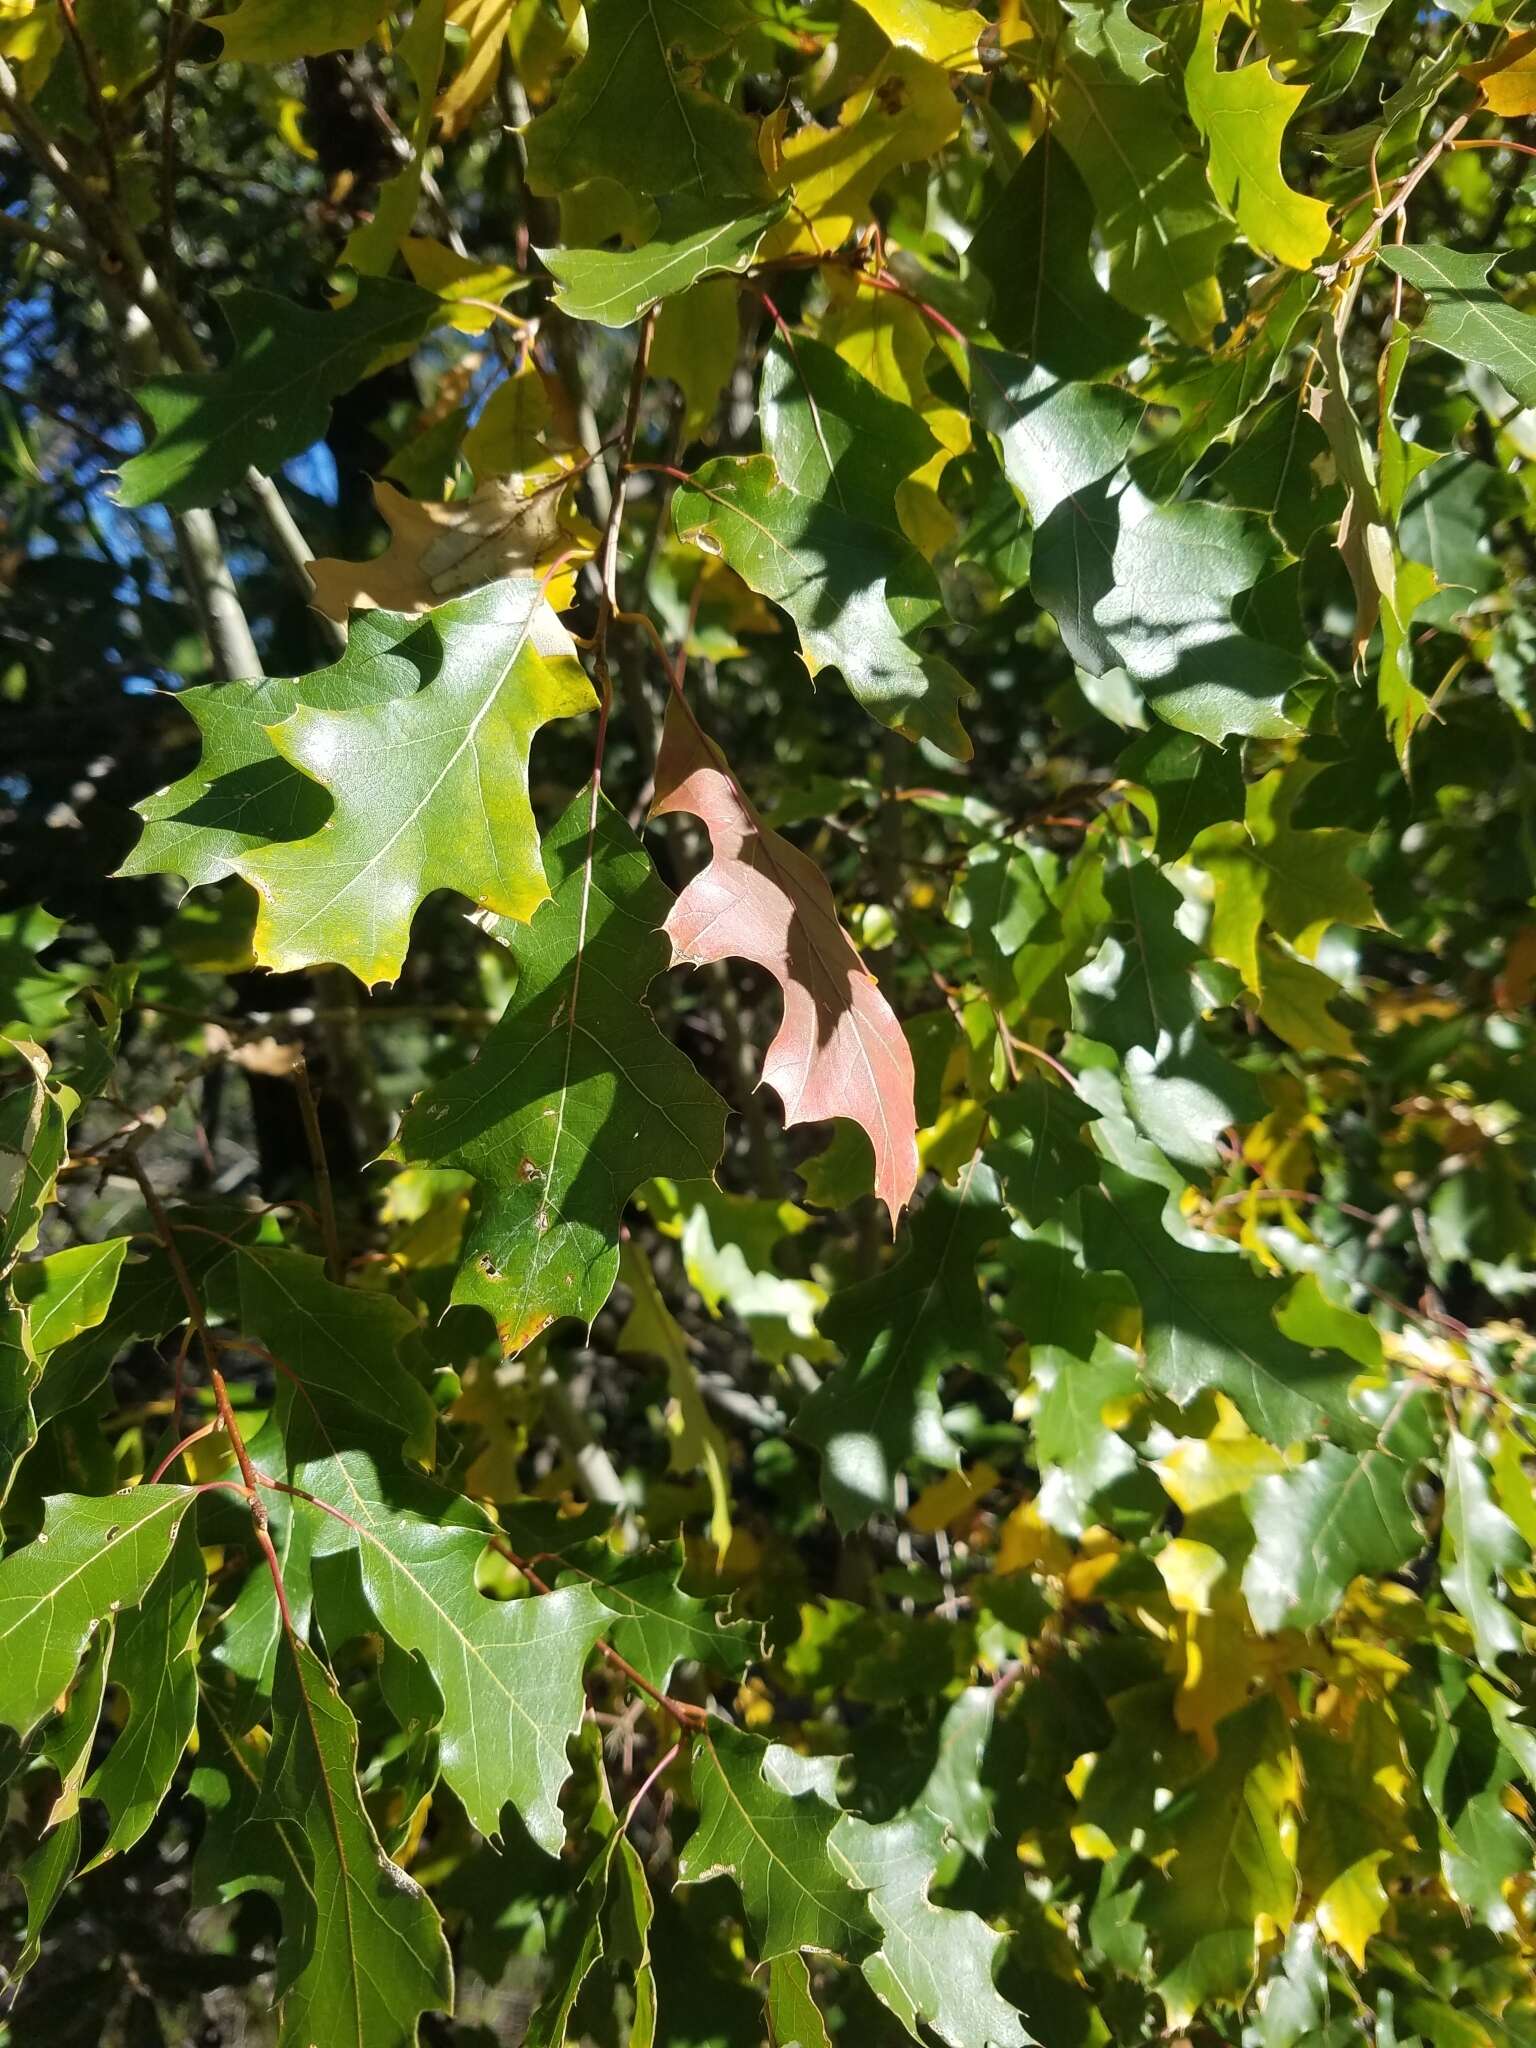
(1146, 587)
(1183, 785)
(576, 1097)
(1103, 28)
(243, 794)
(147, 1303)
(68, 1292)
(19, 1372)
(66, 1748)
(508, 1672)
(956, 1790)
(363, 1953)
(452, 813)
(812, 524)
(91, 1558)
(1037, 1148)
(1062, 444)
(729, 1242)
(1283, 467)
(273, 398)
(56, 1299)
(934, 1966)
(251, 1626)
(630, 112)
(656, 1625)
(615, 286)
(338, 1341)
(698, 1443)
(1168, 615)
(1342, 1513)
(1483, 1846)
(608, 1922)
(1447, 510)
(1056, 436)
(34, 1125)
(1080, 1456)
(1242, 113)
(1481, 1544)
(1467, 317)
(1139, 995)
(1160, 226)
(899, 1332)
(1209, 1320)
(1000, 900)
(1034, 248)
(776, 1843)
(794, 2018)
(1212, 393)
(34, 1000)
(154, 1666)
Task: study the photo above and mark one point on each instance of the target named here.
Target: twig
(1493, 142)
(15, 230)
(92, 92)
(227, 1418)
(325, 1200)
(1366, 242)
(175, 31)
(652, 1775)
(683, 1712)
(608, 553)
(195, 1436)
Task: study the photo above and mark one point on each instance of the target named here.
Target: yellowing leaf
(1295, 1005)
(1028, 1545)
(470, 288)
(1190, 1571)
(937, 30)
(697, 1444)
(950, 1500)
(1242, 114)
(518, 431)
(887, 340)
(277, 31)
(1198, 1472)
(696, 342)
(903, 114)
(1508, 77)
(484, 23)
(437, 552)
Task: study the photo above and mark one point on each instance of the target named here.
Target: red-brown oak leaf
(839, 1051)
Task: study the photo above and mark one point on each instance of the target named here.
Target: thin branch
(325, 1199)
(176, 30)
(92, 93)
(683, 1712)
(194, 1437)
(15, 230)
(1365, 243)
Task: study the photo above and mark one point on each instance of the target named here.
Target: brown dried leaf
(439, 551)
(839, 1051)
